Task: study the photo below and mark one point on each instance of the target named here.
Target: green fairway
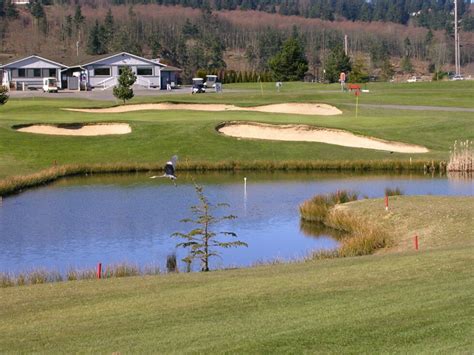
(399, 302)
(191, 134)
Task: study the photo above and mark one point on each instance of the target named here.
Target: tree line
(202, 41)
(433, 14)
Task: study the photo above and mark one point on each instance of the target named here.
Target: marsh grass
(393, 192)
(41, 276)
(362, 237)
(317, 208)
(461, 157)
(359, 237)
(16, 184)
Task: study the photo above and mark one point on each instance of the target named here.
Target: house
(29, 72)
(171, 74)
(103, 73)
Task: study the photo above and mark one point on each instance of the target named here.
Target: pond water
(78, 222)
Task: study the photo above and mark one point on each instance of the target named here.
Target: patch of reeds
(363, 237)
(359, 237)
(393, 192)
(16, 184)
(461, 158)
(317, 208)
(42, 276)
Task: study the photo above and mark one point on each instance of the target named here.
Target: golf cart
(211, 81)
(198, 86)
(50, 85)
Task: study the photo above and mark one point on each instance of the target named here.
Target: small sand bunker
(100, 129)
(305, 133)
(290, 108)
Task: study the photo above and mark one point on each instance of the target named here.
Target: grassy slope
(401, 302)
(438, 221)
(157, 135)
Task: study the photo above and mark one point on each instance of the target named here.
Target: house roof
(123, 53)
(34, 56)
(170, 68)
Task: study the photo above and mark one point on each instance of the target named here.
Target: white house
(103, 73)
(29, 72)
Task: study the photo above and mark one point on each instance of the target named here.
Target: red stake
(416, 242)
(99, 270)
(386, 202)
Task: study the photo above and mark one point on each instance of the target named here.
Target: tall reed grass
(360, 237)
(16, 184)
(41, 276)
(317, 208)
(393, 192)
(461, 157)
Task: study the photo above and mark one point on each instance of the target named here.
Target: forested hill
(401, 36)
(434, 14)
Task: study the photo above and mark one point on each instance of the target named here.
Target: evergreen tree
(337, 62)
(406, 65)
(202, 242)
(290, 64)
(96, 40)
(3, 95)
(78, 18)
(11, 11)
(359, 73)
(109, 30)
(387, 70)
(123, 91)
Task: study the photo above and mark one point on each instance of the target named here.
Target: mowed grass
(399, 302)
(159, 134)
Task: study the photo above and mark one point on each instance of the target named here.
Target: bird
(169, 170)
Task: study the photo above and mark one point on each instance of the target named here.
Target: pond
(78, 222)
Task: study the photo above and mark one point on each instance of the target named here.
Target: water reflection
(79, 221)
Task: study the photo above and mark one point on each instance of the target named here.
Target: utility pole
(457, 61)
(346, 45)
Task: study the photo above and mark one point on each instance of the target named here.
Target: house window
(145, 71)
(102, 71)
(52, 72)
(37, 73)
(21, 73)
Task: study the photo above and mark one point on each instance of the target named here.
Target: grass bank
(18, 183)
(399, 301)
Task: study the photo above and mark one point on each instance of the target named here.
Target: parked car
(457, 77)
(414, 79)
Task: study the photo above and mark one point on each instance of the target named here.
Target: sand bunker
(305, 133)
(101, 129)
(291, 108)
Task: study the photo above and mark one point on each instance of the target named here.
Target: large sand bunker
(305, 133)
(100, 129)
(291, 108)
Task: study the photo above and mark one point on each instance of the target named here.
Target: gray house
(103, 73)
(29, 72)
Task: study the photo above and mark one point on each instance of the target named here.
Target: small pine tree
(202, 241)
(123, 91)
(3, 95)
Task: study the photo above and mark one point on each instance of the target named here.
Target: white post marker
(245, 186)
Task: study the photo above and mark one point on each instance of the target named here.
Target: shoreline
(16, 184)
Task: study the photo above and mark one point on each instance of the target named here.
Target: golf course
(401, 298)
